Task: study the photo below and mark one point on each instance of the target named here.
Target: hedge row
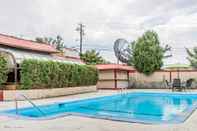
(48, 74)
(3, 70)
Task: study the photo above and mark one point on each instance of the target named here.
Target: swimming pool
(139, 107)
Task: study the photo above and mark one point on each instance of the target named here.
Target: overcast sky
(106, 20)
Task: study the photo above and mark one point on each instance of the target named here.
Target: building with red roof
(27, 49)
(15, 50)
(14, 42)
(113, 76)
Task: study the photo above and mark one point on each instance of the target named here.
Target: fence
(169, 75)
(156, 80)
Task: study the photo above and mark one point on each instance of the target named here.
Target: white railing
(27, 99)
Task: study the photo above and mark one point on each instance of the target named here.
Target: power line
(174, 50)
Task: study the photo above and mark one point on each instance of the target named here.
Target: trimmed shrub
(3, 70)
(49, 74)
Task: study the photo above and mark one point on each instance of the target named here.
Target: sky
(175, 21)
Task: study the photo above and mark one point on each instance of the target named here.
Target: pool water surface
(139, 107)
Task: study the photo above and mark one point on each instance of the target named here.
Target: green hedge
(3, 70)
(48, 74)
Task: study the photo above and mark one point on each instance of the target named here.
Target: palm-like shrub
(192, 57)
(91, 57)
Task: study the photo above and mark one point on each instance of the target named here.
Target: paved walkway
(74, 123)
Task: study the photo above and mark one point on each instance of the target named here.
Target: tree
(91, 57)
(147, 55)
(3, 70)
(57, 42)
(192, 57)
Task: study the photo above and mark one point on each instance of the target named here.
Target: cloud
(105, 20)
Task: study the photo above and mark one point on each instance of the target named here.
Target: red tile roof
(15, 42)
(114, 66)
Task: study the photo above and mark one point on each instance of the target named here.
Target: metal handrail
(27, 99)
(123, 91)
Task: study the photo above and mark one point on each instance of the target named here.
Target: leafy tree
(192, 57)
(147, 55)
(3, 70)
(57, 42)
(91, 57)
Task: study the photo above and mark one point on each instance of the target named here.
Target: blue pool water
(131, 107)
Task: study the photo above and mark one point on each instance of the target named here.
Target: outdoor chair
(168, 84)
(188, 84)
(176, 85)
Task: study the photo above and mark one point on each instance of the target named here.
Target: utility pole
(81, 31)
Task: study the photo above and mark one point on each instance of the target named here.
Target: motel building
(15, 50)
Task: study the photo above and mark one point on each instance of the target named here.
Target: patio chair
(176, 85)
(188, 84)
(168, 84)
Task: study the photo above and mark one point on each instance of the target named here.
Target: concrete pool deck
(76, 123)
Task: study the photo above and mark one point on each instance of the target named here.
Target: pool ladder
(123, 91)
(27, 99)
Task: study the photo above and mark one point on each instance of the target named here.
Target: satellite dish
(122, 50)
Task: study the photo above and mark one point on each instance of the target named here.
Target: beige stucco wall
(105, 84)
(109, 74)
(107, 79)
(111, 84)
(163, 75)
(185, 75)
(106, 74)
(45, 93)
(157, 76)
(122, 75)
(122, 84)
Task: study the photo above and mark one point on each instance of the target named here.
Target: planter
(46, 93)
(11, 87)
